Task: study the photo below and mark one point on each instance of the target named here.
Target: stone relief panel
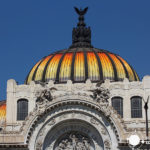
(73, 112)
(73, 125)
(40, 140)
(73, 136)
(100, 94)
(107, 145)
(74, 141)
(43, 97)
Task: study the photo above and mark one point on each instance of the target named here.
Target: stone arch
(42, 118)
(73, 127)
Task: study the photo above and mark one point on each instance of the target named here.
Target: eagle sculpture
(81, 12)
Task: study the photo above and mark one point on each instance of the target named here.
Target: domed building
(80, 98)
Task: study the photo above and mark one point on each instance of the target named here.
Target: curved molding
(62, 123)
(136, 94)
(109, 113)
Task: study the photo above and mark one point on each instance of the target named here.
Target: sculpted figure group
(74, 142)
(45, 96)
(100, 94)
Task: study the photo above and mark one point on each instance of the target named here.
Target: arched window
(22, 109)
(117, 104)
(136, 107)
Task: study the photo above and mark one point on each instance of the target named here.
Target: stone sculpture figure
(44, 96)
(86, 143)
(69, 146)
(74, 142)
(100, 94)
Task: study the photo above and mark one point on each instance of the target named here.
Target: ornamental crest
(100, 94)
(44, 96)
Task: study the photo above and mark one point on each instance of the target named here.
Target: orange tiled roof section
(80, 64)
(2, 111)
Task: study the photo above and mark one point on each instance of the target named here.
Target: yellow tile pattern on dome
(93, 68)
(52, 67)
(29, 79)
(86, 64)
(136, 76)
(2, 113)
(130, 72)
(79, 67)
(120, 70)
(65, 69)
(41, 67)
(107, 68)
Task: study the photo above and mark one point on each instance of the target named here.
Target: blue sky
(32, 29)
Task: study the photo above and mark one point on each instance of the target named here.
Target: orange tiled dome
(80, 64)
(81, 61)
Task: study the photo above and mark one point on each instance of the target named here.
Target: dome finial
(81, 35)
(81, 12)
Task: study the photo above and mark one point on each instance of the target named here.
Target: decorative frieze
(100, 94)
(73, 141)
(43, 97)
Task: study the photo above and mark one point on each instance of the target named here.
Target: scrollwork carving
(43, 97)
(93, 121)
(107, 145)
(100, 94)
(40, 139)
(103, 131)
(52, 122)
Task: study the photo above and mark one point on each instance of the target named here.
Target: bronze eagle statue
(81, 12)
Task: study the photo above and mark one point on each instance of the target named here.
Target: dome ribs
(99, 65)
(33, 77)
(113, 65)
(79, 64)
(27, 78)
(39, 73)
(30, 74)
(137, 77)
(133, 72)
(45, 68)
(72, 65)
(125, 69)
(59, 65)
(86, 65)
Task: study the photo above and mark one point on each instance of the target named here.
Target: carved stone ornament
(40, 139)
(52, 122)
(100, 94)
(43, 97)
(107, 145)
(73, 141)
(103, 131)
(93, 121)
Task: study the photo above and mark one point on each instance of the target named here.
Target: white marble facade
(71, 118)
